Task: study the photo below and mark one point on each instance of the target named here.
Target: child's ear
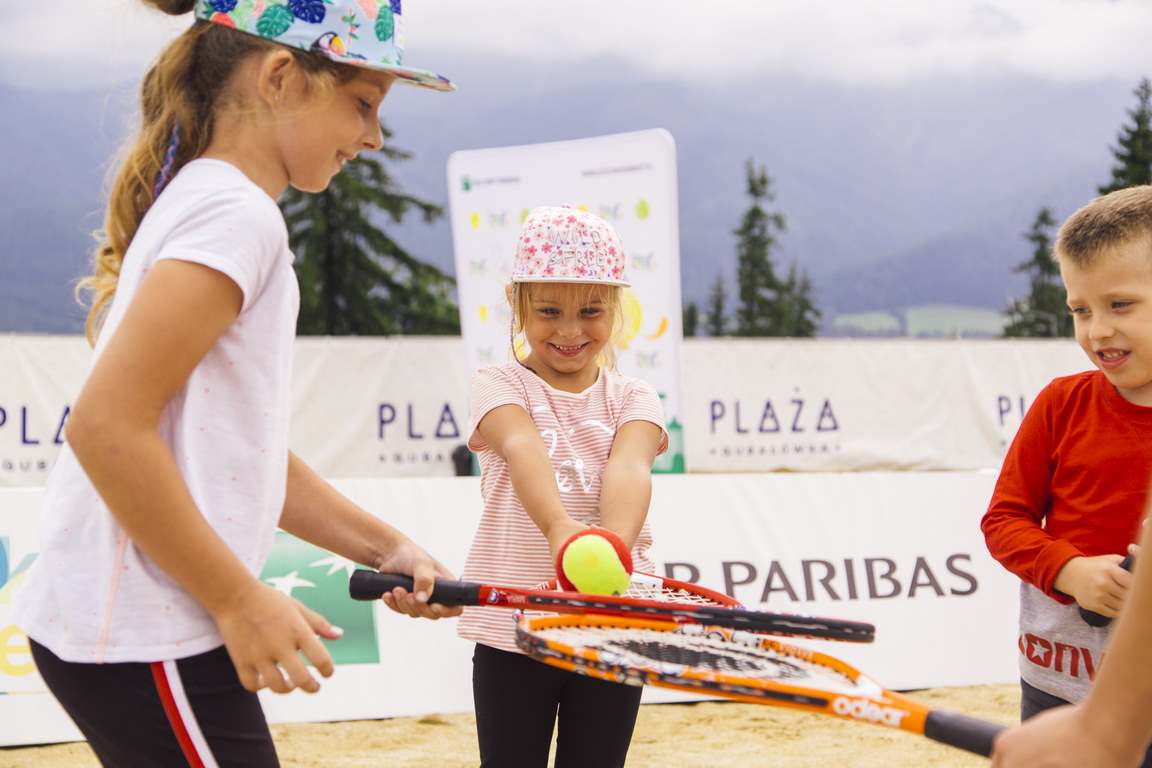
(274, 77)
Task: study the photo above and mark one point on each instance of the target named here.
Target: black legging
(136, 715)
(518, 700)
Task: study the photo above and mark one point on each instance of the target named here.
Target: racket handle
(1093, 619)
(961, 731)
(371, 585)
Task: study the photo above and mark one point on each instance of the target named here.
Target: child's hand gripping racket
(1093, 619)
(737, 665)
(648, 596)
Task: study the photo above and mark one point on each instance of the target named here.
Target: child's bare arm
(627, 486)
(317, 512)
(510, 432)
(113, 432)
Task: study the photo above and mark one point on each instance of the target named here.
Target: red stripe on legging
(182, 737)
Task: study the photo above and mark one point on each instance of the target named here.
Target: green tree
(354, 278)
(715, 321)
(794, 313)
(1134, 153)
(691, 319)
(1044, 313)
(757, 285)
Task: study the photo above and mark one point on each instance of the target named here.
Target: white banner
(371, 407)
(362, 406)
(628, 179)
(848, 405)
(901, 550)
(387, 407)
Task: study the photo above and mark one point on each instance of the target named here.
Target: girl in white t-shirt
(146, 616)
(564, 442)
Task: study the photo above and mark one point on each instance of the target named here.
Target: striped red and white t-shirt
(578, 430)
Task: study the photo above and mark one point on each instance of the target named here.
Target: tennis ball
(594, 561)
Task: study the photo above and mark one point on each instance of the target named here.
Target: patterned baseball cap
(562, 244)
(364, 33)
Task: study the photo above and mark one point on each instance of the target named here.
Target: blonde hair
(1107, 222)
(179, 99)
(520, 300)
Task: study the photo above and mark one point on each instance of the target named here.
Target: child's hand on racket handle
(408, 558)
(1098, 584)
(266, 632)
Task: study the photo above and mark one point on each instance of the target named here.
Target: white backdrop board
(397, 407)
(762, 405)
(902, 550)
(628, 179)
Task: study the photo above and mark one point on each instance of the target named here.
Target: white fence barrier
(902, 550)
(373, 407)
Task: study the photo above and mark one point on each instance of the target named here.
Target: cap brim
(422, 78)
(582, 281)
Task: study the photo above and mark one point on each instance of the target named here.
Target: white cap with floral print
(562, 244)
(363, 33)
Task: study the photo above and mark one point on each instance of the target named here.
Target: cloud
(850, 41)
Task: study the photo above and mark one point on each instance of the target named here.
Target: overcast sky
(81, 43)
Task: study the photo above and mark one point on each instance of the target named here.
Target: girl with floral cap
(565, 441)
(145, 612)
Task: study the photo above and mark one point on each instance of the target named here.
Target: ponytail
(179, 99)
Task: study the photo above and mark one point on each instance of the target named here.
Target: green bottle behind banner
(671, 462)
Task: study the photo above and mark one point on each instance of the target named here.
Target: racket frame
(370, 585)
(869, 702)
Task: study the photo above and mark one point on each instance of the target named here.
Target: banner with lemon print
(629, 180)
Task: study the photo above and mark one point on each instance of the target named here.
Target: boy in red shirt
(1071, 491)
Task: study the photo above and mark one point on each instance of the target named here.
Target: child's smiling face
(1111, 304)
(567, 328)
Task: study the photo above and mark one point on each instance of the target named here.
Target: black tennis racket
(650, 597)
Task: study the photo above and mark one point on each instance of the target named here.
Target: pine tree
(354, 278)
(794, 313)
(691, 319)
(715, 321)
(757, 284)
(1134, 155)
(1044, 313)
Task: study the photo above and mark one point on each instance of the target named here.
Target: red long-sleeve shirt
(1074, 480)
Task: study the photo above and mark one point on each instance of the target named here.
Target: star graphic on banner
(288, 583)
(335, 563)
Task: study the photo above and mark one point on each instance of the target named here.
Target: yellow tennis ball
(592, 564)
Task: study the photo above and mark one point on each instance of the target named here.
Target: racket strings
(646, 587)
(683, 655)
(667, 594)
(698, 651)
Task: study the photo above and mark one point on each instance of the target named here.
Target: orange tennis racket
(737, 665)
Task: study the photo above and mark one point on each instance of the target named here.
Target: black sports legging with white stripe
(190, 712)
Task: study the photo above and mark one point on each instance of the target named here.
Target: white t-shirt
(92, 596)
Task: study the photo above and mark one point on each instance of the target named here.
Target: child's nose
(570, 329)
(1100, 328)
(374, 138)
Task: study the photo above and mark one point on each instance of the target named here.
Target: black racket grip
(961, 731)
(370, 585)
(1093, 619)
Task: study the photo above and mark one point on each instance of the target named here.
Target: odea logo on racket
(870, 711)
